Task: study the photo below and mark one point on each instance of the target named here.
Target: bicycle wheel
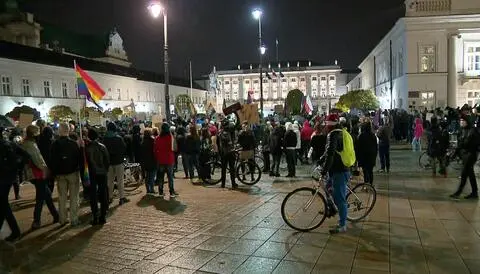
(304, 209)
(248, 173)
(424, 160)
(361, 199)
(215, 173)
(259, 161)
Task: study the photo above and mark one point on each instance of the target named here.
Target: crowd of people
(57, 156)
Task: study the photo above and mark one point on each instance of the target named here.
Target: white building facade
(430, 58)
(324, 84)
(41, 77)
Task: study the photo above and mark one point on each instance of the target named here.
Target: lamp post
(156, 9)
(257, 14)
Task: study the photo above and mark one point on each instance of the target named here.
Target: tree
(358, 99)
(15, 113)
(85, 112)
(61, 113)
(293, 103)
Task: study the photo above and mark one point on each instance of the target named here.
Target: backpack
(9, 160)
(348, 152)
(225, 142)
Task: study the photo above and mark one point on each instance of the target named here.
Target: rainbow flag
(88, 87)
(86, 175)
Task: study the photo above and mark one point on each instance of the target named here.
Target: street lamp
(156, 9)
(257, 15)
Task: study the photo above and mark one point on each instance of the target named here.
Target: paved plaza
(414, 228)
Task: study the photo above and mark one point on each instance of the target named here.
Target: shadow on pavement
(171, 206)
(43, 252)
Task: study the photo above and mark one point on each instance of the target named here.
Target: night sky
(223, 32)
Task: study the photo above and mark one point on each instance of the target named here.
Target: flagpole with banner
(85, 175)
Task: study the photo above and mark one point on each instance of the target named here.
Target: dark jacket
(468, 144)
(266, 140)
(192, 145)
(276, 141)
(137, 147)
(290, 139)
(66, 157)
(116, 147)
(438, 142)
(98, 158)
(366, 148)
(331, 160)
(147, 159)
(45, 141)
(318, 144)
(246, 140)
(384, 134)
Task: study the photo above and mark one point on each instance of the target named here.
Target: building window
(64, 90)
(332, 78)
(47, 89)
(472, 56)
(265, 81)
(427, 58)
(235, 82)
(314, 78)
(26, 87)
(323, 78)
(227, 82)
(6, 85)
(119, 94)
(293, 80)
(302, 79)
(255, 81)
(332, 91)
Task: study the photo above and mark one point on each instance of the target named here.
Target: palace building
(37, 69)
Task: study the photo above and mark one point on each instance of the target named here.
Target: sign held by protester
(249, 113)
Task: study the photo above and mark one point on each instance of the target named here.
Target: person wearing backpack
(339, 156)
(66, 161)
(8, 175)
(227, 154)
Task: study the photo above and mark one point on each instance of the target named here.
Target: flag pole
(78, 96)
(85, 176)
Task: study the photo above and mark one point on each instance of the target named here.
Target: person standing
(276, 144)
(467, 148)
(44, 142)
(227, 154)
(306, 137)
(266, 147)
(66, 160)
(437, 145)
(8, 175)
(417, 135)
(290, 145)
(165, 156)
(384, 134)
(117, 150)
(366, 151)
(192, 149)
(298, 146)
(148, 160)
(37, 172)
(98, 165)
(180, 139)
(318, 143)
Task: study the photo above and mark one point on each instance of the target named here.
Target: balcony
(427, 7)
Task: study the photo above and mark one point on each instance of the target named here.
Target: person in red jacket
(306, 136)
(165, 156)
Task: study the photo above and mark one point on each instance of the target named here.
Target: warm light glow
(257, 13)
(263, 49)
(155, 9)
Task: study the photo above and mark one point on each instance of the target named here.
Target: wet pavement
(414, 228)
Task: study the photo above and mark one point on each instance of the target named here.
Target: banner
(249, 113)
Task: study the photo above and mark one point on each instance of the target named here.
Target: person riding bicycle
(225, 142)
(246, 140)
(332, 164)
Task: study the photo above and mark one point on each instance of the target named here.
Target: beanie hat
(331, 119)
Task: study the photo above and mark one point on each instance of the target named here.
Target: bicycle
(243, 168)
(324, 206)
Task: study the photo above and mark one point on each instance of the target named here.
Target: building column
(452, 77)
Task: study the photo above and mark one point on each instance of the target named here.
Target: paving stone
(244, 247)
(194, 259)
(293, 267)
(224, 263)
(258, 265)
